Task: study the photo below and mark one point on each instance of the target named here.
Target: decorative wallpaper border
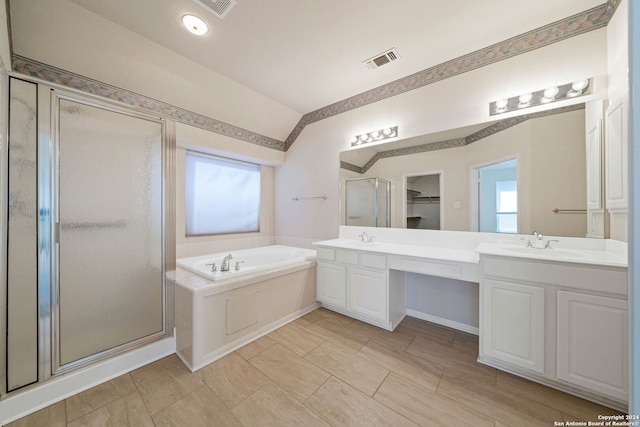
(459, 142)
(52, 74)
(580, 23)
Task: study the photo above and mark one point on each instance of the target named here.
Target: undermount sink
(566, 253)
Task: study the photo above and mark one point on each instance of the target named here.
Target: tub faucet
(225, 263)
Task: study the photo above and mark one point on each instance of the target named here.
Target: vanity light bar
(375, 136)
(545, 96)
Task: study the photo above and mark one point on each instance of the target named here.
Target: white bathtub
(249, 261)
(218, 312)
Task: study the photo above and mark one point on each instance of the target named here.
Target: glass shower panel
(22, 245)
(360, 202)
(367, 202)
(110, 274)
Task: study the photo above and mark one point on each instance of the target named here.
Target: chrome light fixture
(375, 136)
(544, 96)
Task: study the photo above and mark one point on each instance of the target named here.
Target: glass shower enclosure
(368, 202)
(87, 232)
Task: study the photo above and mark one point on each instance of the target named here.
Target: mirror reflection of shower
(368, 202)
(423, 202)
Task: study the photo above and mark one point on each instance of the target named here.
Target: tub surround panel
(215, 318)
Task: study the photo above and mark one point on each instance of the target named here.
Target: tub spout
(225, 263)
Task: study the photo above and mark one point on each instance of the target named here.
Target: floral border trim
(580, 23)
(65, 78)
(459, 142)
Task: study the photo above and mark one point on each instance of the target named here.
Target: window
(507, 206)
(222, 195)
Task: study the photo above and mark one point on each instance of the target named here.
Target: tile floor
(326, 369)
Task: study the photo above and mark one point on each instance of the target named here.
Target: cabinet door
(368, 293)
(331, 284)
(616, 155)
(592, 343)
(513, 323)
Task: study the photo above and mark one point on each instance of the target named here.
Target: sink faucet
(364, 237)
(225, 263)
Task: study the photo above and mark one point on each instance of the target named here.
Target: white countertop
(467, 247)
(411, 250)
(572, 255)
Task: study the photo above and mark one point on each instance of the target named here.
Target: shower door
(108, 254)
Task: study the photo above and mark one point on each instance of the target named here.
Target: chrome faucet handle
(363, 236)
(213, 266)
(548, 244)
(238, 265)
(371, 239)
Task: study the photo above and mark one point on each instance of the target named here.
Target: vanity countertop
(403, 249)
(605, 257)
(467, 247)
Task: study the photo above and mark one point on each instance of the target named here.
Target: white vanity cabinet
(331, 284)
(592, 342)
(562, 324)
(356, 283)
(513, 323)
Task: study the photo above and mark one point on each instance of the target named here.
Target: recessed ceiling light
(195, 25)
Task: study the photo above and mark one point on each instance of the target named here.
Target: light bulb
(580, 85)
(551, 92)
(525, 98)
(501, 104)
(387, 131)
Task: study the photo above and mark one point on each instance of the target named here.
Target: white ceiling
(308, 54)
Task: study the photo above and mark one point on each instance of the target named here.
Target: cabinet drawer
(373, 261)
(326, 254)
(347, 257)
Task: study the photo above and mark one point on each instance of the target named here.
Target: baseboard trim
(444, 322)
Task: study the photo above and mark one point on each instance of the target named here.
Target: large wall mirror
(518, 174)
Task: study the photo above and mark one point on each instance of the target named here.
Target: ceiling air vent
(382, 59)
(220, 8)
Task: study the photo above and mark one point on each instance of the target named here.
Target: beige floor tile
(163, 382)
(128, 411)
(414, 368)
(342, 405)
(272, 406)
(334, 317)
(400, 338)
(296, 339)
(467, 343)
(498, 403)
(233, 379)
(51, 416)
(426, 407)
(338, 334)
(581, 409)
(202, 408)
(255, 347)
(311, 318)
(99, 396)
(433, 331)
(350, 368)
(297, 376)
(454, 362)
